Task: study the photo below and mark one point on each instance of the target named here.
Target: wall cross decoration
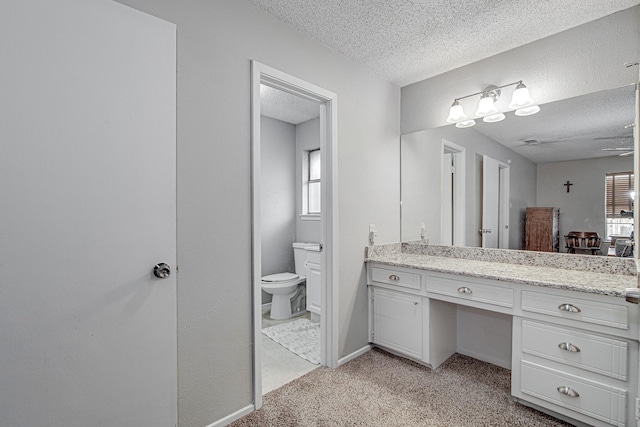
(568, 184)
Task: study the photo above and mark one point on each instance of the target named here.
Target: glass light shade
(456, 113)
(521, 97)
(486, 107)
(493, 118)
(527, 111)
(466, 124)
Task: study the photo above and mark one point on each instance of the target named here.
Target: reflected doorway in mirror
(495, 203)
(453, 194)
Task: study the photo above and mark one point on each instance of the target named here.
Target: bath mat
(301, 337)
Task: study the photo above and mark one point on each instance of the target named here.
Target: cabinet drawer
(586, 351)
(479, 292)
(596, 400)
(601, 313)
(396, 277)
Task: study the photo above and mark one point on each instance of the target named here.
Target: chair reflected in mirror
(622, 246)
(582, 242)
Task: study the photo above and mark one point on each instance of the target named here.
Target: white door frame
(636, 177)
(505, 205)
(447, 211)
(459, 199)
(263, 74)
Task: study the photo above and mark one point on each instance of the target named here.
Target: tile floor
(279, 365)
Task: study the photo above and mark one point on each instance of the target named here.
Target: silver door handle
(569, 347)
(568, 391)
(569, 307)
(162, 270)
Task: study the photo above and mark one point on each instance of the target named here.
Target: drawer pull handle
(464, 290)
(416, 303)
(568, 391)
(569, 347)
(569, 307)
(394, 278)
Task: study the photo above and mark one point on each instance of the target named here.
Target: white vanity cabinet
(398, 311)
(397, 321)
(576, 354)
(314, 294)
(573, 354)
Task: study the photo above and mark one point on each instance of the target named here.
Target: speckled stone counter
(582, 273)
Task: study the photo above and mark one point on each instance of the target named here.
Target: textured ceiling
(288, 108)
(407, 41)
(571, 129)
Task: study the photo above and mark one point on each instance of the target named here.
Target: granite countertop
(581, 281)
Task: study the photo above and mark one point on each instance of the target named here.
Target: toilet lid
(280, 277)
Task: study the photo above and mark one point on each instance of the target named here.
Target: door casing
(454, 193)
(264, 74)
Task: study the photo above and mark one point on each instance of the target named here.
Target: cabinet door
(397, 321)
(313, 288)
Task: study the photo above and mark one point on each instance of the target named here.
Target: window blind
(618, 198)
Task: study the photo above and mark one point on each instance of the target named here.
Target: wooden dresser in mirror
(542, 232)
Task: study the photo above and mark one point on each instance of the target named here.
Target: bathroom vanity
(560, 323)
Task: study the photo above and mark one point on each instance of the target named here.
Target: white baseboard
(353, 355)
(232, 417)
(266, 306)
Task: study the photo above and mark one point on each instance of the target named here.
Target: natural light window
(619, 203)
(311, 183)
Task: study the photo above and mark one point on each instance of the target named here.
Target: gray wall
(307, 138)
(421, 183)
(582, 60)
(583, 208)
(216, 41)
(278, 196)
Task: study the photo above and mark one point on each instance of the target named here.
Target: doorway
(453, 194)
(495, 203)
(265, 76)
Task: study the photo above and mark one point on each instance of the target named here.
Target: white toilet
(283, 286)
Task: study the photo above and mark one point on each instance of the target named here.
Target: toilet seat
(282, 287)
(282, 278)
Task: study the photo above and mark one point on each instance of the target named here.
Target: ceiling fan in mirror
(540, 142)
(626, 140)
(623, 151)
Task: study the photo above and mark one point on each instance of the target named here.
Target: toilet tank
(300, 256)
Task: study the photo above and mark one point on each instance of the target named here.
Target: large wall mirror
(557, 158)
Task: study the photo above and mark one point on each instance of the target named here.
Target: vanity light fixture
(521, 101)
(466, 123)
(487, 104)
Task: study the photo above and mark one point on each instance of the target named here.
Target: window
(311, 183)
(619, 203)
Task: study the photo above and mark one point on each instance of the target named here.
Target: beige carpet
(379, 389)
